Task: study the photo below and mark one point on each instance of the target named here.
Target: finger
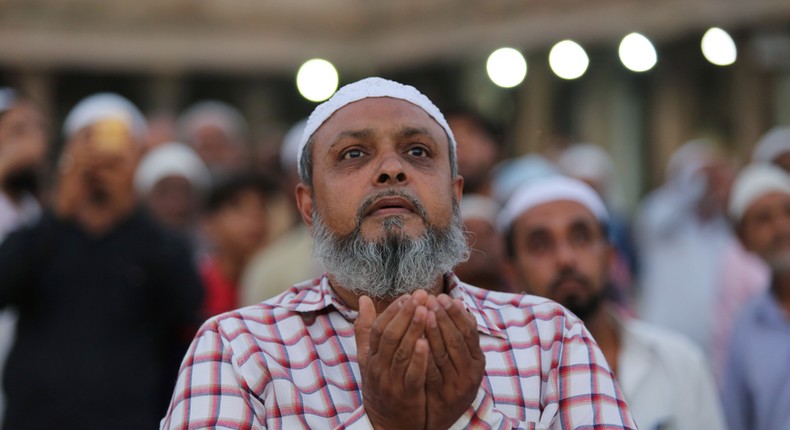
(393, 333)
(434, 380)
(466, 324)
(382, 321)
(453, 338)
(433, 334)
(403, 355)
(415, 376)
(362, 328)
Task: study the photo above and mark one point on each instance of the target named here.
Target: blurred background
(165, 55)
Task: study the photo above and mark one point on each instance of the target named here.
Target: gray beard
(396, 264)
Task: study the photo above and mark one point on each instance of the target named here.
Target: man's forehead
(769, 199)
(378, 112)
(557, 213)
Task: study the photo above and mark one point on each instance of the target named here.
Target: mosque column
(535, 100)
(749, 105)
(672, 112)
(781, 114)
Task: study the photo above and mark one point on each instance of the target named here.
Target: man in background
(557, 242)
(755, 391)
(104, 295)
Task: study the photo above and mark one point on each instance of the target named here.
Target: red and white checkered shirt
(291, 363)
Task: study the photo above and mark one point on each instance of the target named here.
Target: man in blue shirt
(755, 391)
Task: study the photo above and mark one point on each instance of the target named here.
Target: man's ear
(304, 201)
(741, 235)
(458, 188)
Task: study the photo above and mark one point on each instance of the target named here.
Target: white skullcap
(478, 206)
(587, 160)
(289, 151)
(773, 144)
(212, 113)
(369, 88)
(548, 190)
(691, 157)
(171, 159)
(101, 106)
(753, 182)
(511, 174)
(7, 98)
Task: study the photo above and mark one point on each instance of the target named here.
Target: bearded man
(389, 337)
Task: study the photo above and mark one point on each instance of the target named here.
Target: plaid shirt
(291, 363)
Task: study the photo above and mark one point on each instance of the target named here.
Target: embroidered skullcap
(369, 88)
(773, 144)
(103, 106)
(171, 159)
(548, 190)
(753, 182)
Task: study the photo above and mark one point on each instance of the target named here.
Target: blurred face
(107, 156)
(783, 161)
(216, 148)
(765, 230)
(383, 207)
(487, 253)
(23, 143)
(239, 228)
(561, 254)
(173, 202)
(477, 153)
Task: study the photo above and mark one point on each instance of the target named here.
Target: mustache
(569, 275)
(392, 192)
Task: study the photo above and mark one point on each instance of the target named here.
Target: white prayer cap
(171, 159)
(369, 88)
(588, 161)
(548, 190)
(102, 106)
(7, 98)
(773, 144)
(511, 174)
(289, 151)
(478, 206)
(753, 182)
(212, 113)
(691, 157)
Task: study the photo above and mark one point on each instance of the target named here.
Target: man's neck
(781, 290)
(604, 330)
(351, 299)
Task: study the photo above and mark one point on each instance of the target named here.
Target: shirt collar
(317, 295)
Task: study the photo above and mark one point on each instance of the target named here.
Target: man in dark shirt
(105, 296)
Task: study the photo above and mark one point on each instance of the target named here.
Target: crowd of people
(395, 271)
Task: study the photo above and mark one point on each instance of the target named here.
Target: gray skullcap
(773, 144)
(289, 150)
(551, 189)
(102, 106)
(369, 88)
(212, 113)
(753, 182)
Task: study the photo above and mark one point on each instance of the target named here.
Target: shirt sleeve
(210, 392)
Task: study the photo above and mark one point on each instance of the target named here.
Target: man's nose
(566, 255)
(391, 170)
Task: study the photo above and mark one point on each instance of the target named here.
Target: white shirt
(665, 379)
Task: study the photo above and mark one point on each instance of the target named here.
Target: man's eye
(353, 153)
(418, 152)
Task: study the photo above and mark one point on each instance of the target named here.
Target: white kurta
(665, 380)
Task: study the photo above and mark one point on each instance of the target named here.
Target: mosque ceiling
(273, 36)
